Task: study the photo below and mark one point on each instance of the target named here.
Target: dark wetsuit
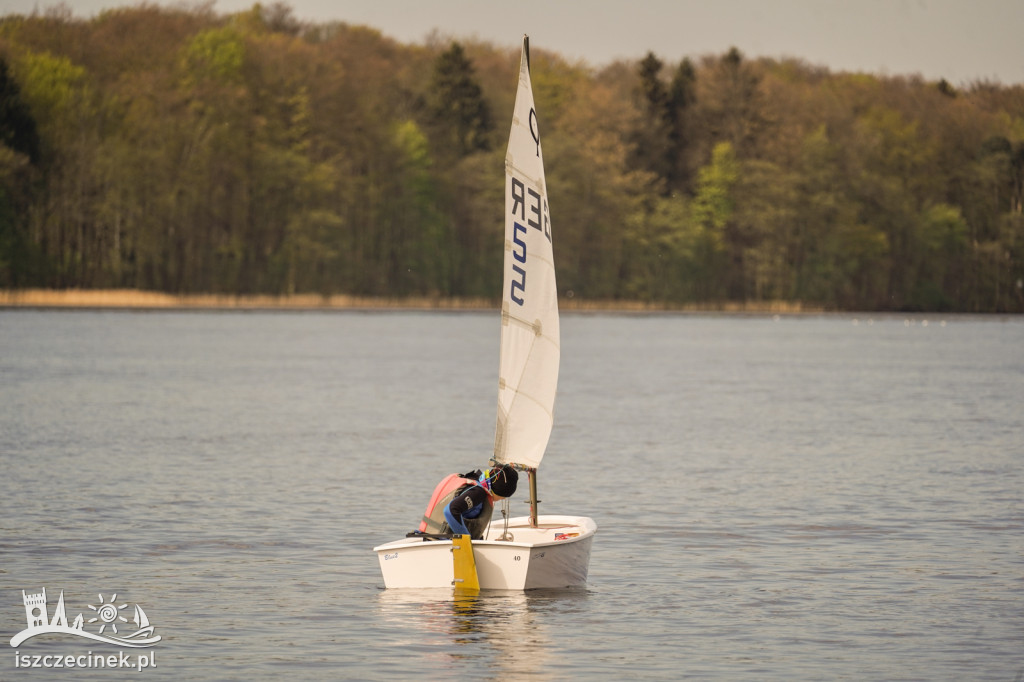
(471, 507)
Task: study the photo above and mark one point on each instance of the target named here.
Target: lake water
(791, 499)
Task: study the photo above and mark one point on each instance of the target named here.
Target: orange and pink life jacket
(433, 517)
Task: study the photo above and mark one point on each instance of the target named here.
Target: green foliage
(19, 148)
(660, 140)
(457, 106)
(17, 127)
(713, 205)
(216, 54)
(652, 151)
(55, 91)
(179, 150)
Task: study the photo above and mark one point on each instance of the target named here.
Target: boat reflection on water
(498, 628)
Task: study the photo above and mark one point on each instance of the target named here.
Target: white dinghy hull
(554, 555)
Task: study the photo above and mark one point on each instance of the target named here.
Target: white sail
(528, 371)
(140, 618)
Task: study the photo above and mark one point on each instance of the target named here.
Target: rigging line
(505, 512)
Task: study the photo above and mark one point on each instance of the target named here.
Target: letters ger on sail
(529, 333)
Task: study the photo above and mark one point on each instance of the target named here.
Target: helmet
(503, 481)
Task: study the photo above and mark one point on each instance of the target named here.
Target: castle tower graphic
(35, 608)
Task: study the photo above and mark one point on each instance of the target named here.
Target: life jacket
(447, 490)
(444, 492)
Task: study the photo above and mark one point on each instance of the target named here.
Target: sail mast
(532, 473)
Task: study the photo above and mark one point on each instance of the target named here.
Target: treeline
(183, 151)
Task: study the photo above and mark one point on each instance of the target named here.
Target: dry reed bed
(133, 299)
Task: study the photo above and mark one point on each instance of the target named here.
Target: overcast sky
(959, 40)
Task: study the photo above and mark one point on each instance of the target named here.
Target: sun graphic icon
(108, 613)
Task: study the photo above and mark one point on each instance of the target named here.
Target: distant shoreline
(134, 299)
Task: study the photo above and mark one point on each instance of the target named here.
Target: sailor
(469, 512)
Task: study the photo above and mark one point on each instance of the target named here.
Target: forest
(180, 150)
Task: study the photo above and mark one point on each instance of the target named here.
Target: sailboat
(534, 551)
(142, 623)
